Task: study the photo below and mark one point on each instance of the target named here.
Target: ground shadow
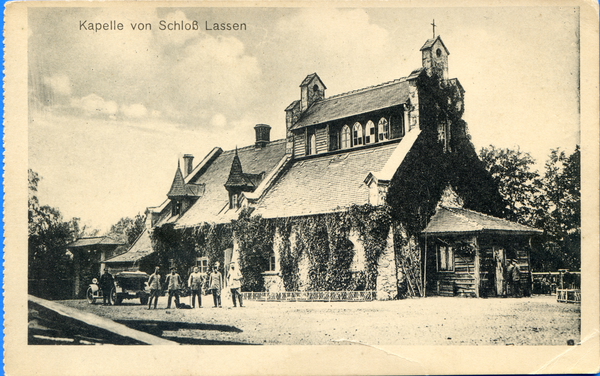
(156, 328)
(47, 327)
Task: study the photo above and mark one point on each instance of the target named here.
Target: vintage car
(128, 285)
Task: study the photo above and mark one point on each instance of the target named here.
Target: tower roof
(309, 78)
(430, 42)
(178, 185)
(237, 178)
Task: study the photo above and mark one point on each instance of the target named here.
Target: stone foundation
(387, 283)
(273, 282)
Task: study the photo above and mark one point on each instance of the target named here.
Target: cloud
(59, 83)
(335, 43)
(210, 76)
(176, 36)
(218, 120)
(135, 111)
(95, 105)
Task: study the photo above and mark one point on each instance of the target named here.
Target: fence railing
(568, 295)
(311, 296)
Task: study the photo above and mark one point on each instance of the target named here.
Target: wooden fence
(568, 295)
(311, 296)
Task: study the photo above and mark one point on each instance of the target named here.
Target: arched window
(370, 136)
(345, 137)
(272, 262)
(357, 134)
(312, 145)
(384, 129)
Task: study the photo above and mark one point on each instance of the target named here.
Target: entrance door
(500, 258)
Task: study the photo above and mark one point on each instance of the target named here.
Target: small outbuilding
(474, 254)
(89, 254)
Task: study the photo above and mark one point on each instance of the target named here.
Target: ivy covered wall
(433, 163)
(315, 253)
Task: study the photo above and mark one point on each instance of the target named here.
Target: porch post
(425, 269)
(477, 262)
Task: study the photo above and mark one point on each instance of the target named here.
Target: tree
(560, 214)
(551, 202)
(127, 230)
(519, 186)
(48, 235)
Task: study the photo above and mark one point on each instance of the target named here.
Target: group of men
(198, 283)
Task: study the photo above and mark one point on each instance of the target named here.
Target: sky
(111, 112)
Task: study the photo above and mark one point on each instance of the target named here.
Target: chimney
(263, 135)
(188, 161)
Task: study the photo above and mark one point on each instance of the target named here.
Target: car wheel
(114, 297)
(90, 296)
(144, 300)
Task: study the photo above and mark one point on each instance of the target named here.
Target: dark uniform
(106, 284)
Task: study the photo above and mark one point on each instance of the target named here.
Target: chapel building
(399, 149)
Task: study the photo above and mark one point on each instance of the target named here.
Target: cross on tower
(433, 24)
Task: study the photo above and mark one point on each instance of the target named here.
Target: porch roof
(458, 220)
(94, 241)
(140, 249)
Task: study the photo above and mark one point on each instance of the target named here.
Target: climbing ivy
(338, 274)
(254, 236)
(429, 167)
(322, 239)
(184, 245)
(288, 259)
(373, 224)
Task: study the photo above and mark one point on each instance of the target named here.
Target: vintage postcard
(301, 188)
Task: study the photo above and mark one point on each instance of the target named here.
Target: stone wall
(273, 282)
(386, 272)
(358, 260)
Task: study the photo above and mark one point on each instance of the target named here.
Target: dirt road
(538, 320)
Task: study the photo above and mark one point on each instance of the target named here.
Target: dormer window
(370, 136)
(235, 201)
(383, 129)
(345, 137)
(176, 207)
(312, 144)
(357, 134)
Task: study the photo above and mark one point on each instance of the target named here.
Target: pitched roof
(213, 206)
(140, 249)
(236, 175)
(455, 220)
(292, 105)
(325, 183)
(308, 78)
(94, 240)
(357, 102)
(430, 42)
(178, 185)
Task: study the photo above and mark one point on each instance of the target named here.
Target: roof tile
(325, 183)
(355, 102)
(455, 220)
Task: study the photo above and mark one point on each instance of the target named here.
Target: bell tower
(435, 56)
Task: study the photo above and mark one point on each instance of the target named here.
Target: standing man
(216, 284)
(154, 284)
(509, 278)
(106, 284)
(173, 283)
(234, 280)
(516, 279)
(195, 282)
